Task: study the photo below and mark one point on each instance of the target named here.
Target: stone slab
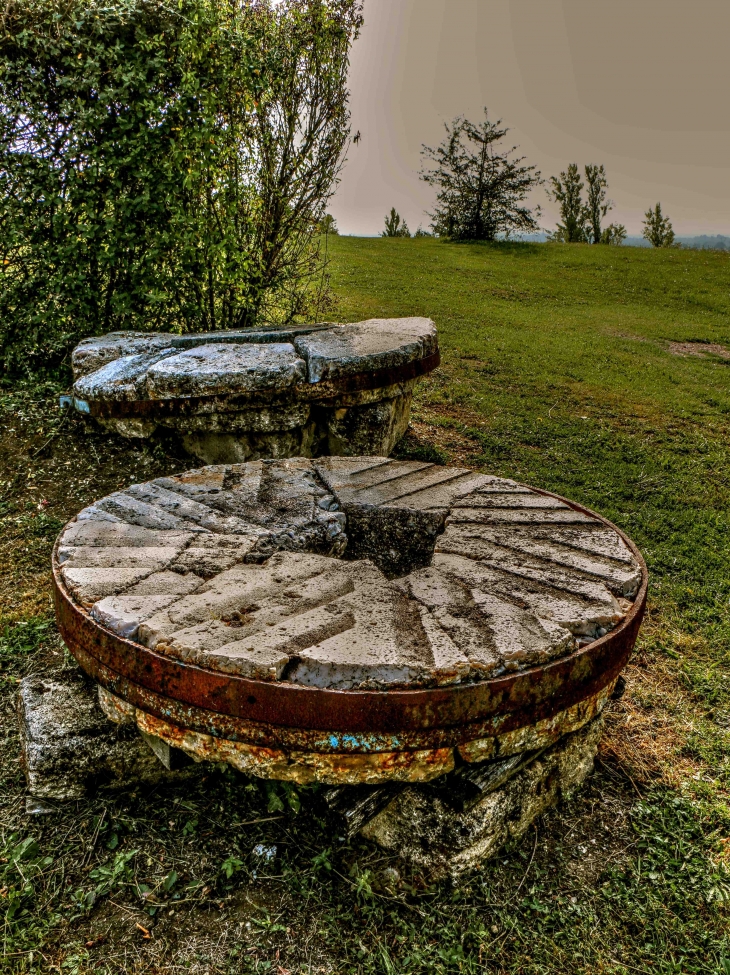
(93, 353)
(222, 369)
(379, 343)
(345, 572)
(123, 379)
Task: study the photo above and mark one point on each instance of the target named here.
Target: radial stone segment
(348, 619)
(237, 396)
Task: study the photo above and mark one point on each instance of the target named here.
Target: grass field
(600, 373)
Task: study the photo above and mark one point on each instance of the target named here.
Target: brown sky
(641, 86)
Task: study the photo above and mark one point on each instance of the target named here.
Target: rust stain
(304, 767)
(284, 730)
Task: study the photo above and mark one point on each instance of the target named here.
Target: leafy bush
(165, 166)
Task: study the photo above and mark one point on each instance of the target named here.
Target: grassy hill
(600, 373)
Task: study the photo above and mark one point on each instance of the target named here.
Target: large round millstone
(234, 396)
(348, 619)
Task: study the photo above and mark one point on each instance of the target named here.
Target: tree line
(482, 190)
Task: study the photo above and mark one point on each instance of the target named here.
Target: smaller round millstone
(347, 575)
(234, 396)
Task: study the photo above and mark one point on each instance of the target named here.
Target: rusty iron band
(329, 389)
(281, 715)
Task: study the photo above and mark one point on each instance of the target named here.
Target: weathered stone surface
(134, 557)
(89, 585)
(113, 534)
(123, 614)
(421, 824)
(249, 576)
(245, 395)
(69, 748)
(379, 343)
(280, 419)
(122, 379)
(93, 353)
(493, 634)
(374, 427)
(215, 370)
(215, 446)
(542, 561)
(584, 613)
(494, 499)
(412, 484)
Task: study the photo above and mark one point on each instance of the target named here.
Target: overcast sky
(641, 86)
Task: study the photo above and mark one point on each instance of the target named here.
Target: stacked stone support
(235, 396)
(441, 640)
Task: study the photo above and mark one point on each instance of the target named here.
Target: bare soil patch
(702, 350)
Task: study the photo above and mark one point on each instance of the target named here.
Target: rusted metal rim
(283, 715)
(374, 379)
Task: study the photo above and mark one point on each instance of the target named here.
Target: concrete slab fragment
(69, 748)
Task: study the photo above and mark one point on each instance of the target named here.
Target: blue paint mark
(365, 743)
(82, 406)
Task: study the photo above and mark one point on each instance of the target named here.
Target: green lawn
(559, 369)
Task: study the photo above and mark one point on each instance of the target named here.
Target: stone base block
(69, 748)
(448, 829)
(371, 427)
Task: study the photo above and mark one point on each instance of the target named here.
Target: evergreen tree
(566, 190)
(658, 228)
(481, 188)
